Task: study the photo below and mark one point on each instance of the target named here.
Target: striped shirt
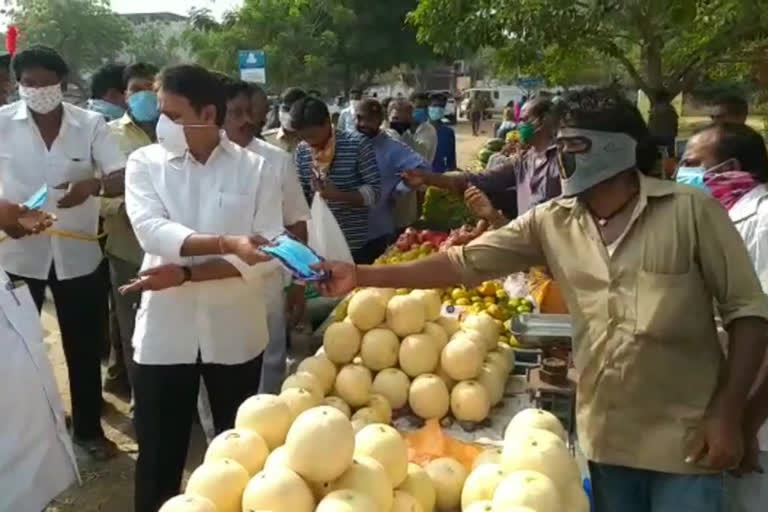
(354, 167)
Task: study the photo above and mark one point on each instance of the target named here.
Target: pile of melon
(398, 346)
(533, 471)
(273, 462)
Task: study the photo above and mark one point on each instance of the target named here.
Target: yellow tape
(66, 234)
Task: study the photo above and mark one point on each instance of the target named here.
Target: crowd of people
(156, 199)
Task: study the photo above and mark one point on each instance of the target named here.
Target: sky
(177, 6)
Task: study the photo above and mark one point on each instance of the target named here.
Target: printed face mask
(296, 257)
(589, 157)
(143, 106)
(42, 100)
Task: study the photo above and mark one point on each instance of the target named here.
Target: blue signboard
(252, 65)
(530, 82)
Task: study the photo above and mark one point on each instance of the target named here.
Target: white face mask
(42, 99)
(285, 120)
(171, 135)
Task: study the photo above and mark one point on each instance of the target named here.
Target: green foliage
(660, 44)
(326, 44)
(150, 42)
(86, 32)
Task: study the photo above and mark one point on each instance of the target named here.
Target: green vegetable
(444, 210)
(484, 155)
(495, 144)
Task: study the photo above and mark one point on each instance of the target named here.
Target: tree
(663, 46)
(323, 44)
(85, 32)
(150, 42)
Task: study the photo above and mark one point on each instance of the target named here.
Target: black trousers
(372, 249)
(79, 302)
(166, 403)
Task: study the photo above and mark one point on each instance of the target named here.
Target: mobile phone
(296, 257)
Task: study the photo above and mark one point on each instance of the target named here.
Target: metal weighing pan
(536, 330)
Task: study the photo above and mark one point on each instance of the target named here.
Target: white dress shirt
(83, 149)
(750, 215)
(172, 196)
(36, 458)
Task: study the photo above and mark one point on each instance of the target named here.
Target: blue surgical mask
(109, 110)
(296, 257)
(436, 113)
(420, 115)
(143, 106)
(693, 176)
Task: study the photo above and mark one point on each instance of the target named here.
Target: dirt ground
(108, 487)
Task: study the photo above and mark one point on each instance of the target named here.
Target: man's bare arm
(746, 352)
(757, 407)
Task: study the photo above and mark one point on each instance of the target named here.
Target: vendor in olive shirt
(514, 187)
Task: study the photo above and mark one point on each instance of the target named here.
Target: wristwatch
(187, 274)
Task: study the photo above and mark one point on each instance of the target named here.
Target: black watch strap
(187, 274)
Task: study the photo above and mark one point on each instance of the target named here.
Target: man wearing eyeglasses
(641, 262)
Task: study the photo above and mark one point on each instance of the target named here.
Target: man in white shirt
(246, 112)
(36, 458)
(197, 203)
(70, 152)
(348, 117)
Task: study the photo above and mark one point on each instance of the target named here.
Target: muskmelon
(347, 500)
(353, 384)
(430, 300)
(322, 368)
(437, 333)
(369, 477)
(299, 400)
(527, 489)
(481, 484)
(538, 418)
(418, 484)
(405, 315)
(268, 416)
(418, 354)
(366, 309)
(278, 490)
(245, 447)
(220, 480)
(461, 359)
(393, 385)
(469, 401)
(320, 444)
(335, 401)
(379, 349)
(386, 445)
(448, 476)
(429, 397)
(341, 342)
(188, 503)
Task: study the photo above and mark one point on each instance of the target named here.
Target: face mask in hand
(143, 106)
(436, 113)
(296, 257)
(42, 100)
(693, 176)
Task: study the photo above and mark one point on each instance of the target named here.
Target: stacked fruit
(275, 462)
(490, 297)
(444, 209)
(396, 344)
(533, 471)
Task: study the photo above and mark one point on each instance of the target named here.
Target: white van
(497, 97)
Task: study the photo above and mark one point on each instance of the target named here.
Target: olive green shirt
(644, 336)
(121, 241)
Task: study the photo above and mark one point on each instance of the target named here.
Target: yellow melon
(220, 480)
(335, 401)
(367, 414)
(450, 324)
(278, 490)
(187, 503)
(268, 416)
(341, 342)
(369, 477)
(304, 380)
(485, 325)
(448, 476)
(418, 354)
(428, 397)
(488, 456)
(320, 444)
(500, 360)
(481, 484)
(430, 300)
(322, 368)
(461, 359)
(492, 379)
(276, 459)
(418, 484)
(381, 405)
(393, 385)
(527, 489)
(437, 333)
(386, 445)
(405, 315)
(469, 401)
(353, 385)
(347, 500)
(544, 454)
(405, 502)
(538, 418)
(299, 400)
(366, 309)
(243, 446)
(379, 349)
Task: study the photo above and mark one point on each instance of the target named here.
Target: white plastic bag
(325, 235)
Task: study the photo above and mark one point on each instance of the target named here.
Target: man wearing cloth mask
(287, 138)
(108, 92)
(134, 130)
(445, 154)
(36, 458)
(640, 262)
(519, 184)
(730, 162)
(246, 113)
(393, 158)
(348, 117)
(70, 152)
(200, 206)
